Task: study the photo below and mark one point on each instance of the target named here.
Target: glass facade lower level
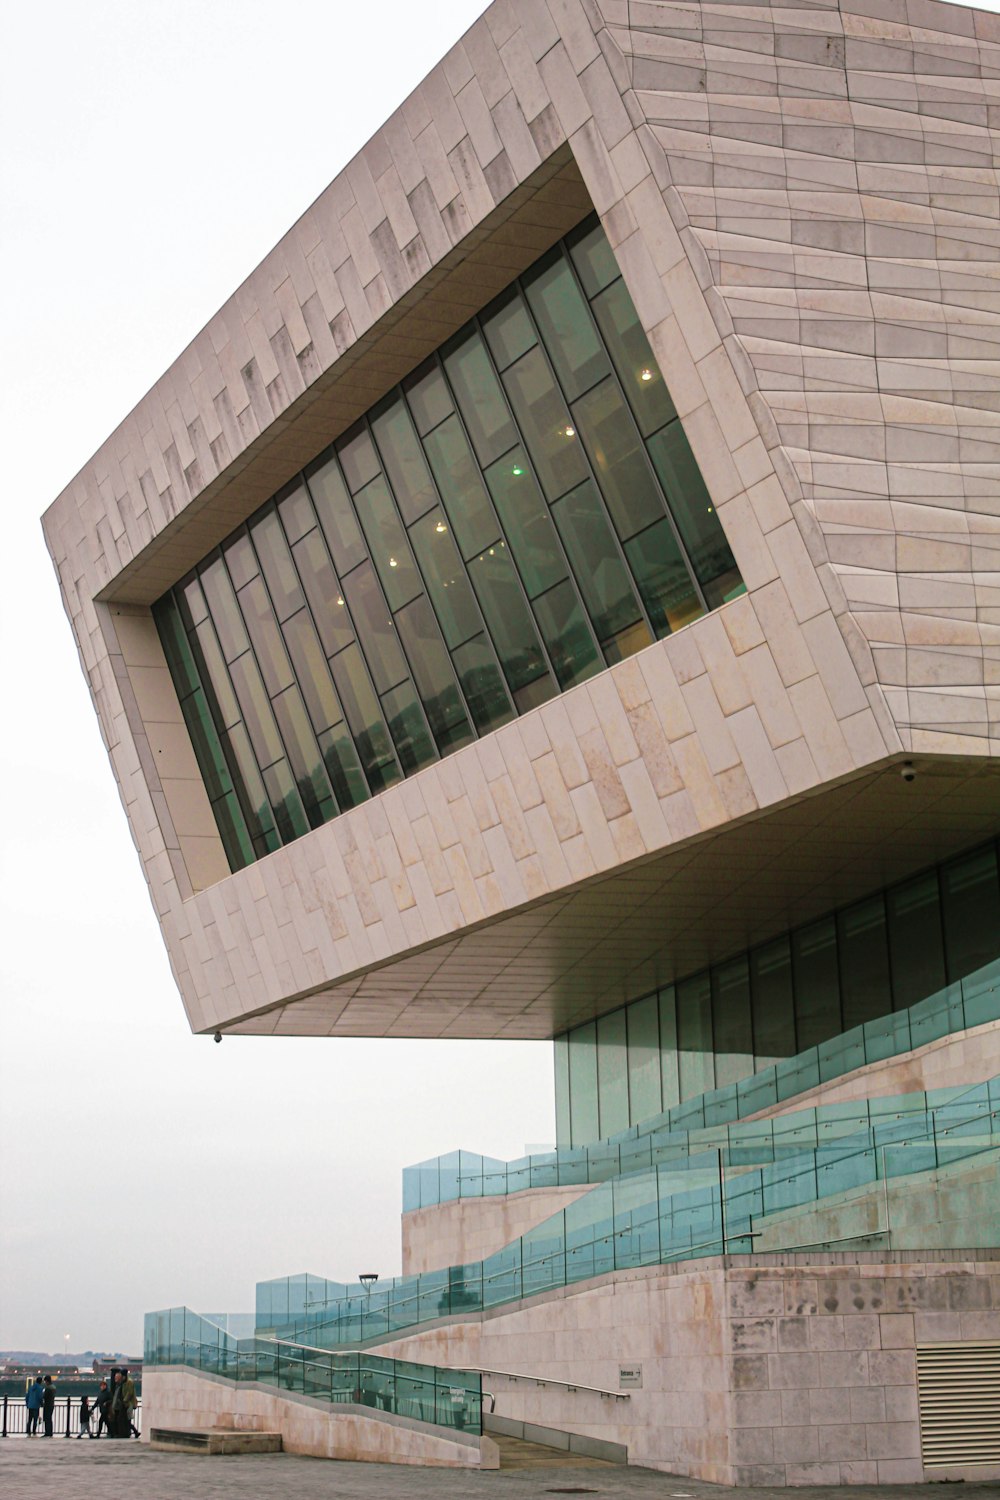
(523, 511)
(933, 939)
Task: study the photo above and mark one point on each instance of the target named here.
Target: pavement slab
(68, 1470)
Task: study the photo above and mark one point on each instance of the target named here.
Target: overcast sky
(153, 154)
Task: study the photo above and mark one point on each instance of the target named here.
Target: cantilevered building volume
(557, 597)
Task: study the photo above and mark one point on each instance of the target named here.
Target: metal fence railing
(65, 1418)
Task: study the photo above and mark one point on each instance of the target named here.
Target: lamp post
(368, 1279)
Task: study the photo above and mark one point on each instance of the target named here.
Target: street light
(368, 1279)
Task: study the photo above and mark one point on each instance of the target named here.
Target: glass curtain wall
(521, 512)
(936, 936)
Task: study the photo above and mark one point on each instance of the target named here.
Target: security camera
(218, 1034)
(908, 771)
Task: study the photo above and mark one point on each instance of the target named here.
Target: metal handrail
(569, 1385)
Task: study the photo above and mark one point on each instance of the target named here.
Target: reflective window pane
(731, 1022)
(336, 515)
(304, 757)
(269, 648)
(404, 462)
(207, 746)
(446, 579)
(480, 399)
(414, 746)
(645, 1095)
(594, 259)
(433, 675)
(619, 459)
(378, 639)
(612, 1074)
(508, 330)
(257, 715)
(665, 584)
(286, 805)
(564, 629)
(365, 719)
(214, 675)
(637, 369)
(567, 329)
(250, 788)
(191, 602)
(583, 1084)
(691, 504)
(864, 962)
(358, 459)
(525, 519)
(970, 899)
(311, 671)
(427, 397)
(817, 983)
(694, 1036)
(224, 609)
(296, 512)
(507, 617)
(916, 944)
(545, 424)
(176, 649)
(277, 566)
(461, 484)
(773, 1005)
(240, 560)
(482, 684)
(387, 542)
(596, 562)
(323, 592)
(343, 767)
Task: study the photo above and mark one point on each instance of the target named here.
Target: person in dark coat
(103, 1404)
(48, 1405)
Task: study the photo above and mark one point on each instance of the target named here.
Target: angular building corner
(556, 597)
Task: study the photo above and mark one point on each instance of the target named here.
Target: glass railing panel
(937, 1016)
(841, 1054)
(887, 1037)
(794, 1075)
(981, 995)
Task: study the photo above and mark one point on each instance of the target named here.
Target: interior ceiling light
(569, 432)
(393, 563)
(440, 526)
(645, 374)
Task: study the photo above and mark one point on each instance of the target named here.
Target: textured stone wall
(177, 1397)
(756, 1373)
(470, 1229)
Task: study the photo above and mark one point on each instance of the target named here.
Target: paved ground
(61, 1470)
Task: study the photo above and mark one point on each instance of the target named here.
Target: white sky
(153, 153)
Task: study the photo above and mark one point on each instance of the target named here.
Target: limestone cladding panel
(753, 1373)
(179, 1398)
(833, 173)
(470, 1229)
(814, 271)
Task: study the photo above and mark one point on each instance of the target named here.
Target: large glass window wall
(932, 941)
(521, 512)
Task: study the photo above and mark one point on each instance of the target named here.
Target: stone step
(213, 1440)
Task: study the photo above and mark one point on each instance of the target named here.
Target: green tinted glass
(566, 327)
(545, 424)
(480, 399)
(526, 522)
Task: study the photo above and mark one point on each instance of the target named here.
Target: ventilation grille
(958, 1388)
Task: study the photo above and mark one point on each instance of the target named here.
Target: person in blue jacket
(33, 1401)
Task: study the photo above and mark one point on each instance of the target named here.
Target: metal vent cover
(958, 1390)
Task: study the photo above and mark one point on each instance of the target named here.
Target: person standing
(129, 1403)
(103, 1404)
(85, 1414)
(48, 1405)
(33, 1401)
